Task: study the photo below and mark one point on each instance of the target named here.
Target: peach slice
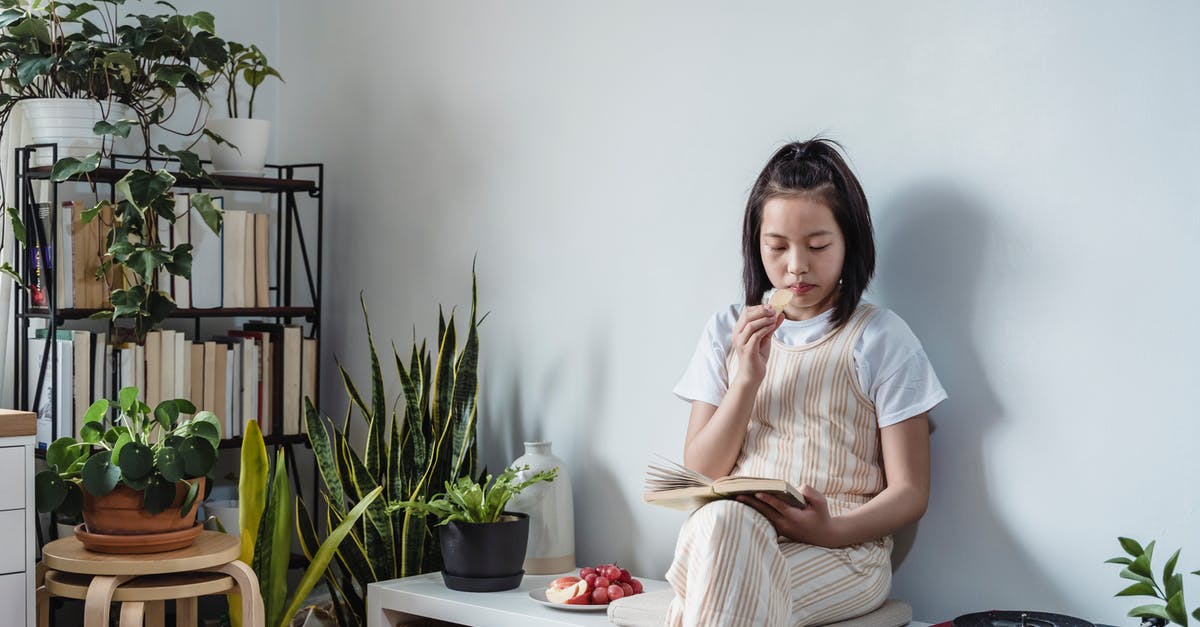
(780, 299)
(566, 592)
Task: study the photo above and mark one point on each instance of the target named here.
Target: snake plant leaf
(310, 543)
(280, 541)
(321, 561)
(169, 465)
(395, 462)
(252, 491)
(158, 496)
(136, 460)
(352, 391)
(443, 379)
(189, 498)
(376, 416)
(49, 490)
(318, 439)
(198, 456)
(352, 554)
(100, 475)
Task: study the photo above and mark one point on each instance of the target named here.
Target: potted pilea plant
(1139, 570)
(238, 145)
(483, 546)
(143, 472)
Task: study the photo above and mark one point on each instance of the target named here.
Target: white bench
(400, 601)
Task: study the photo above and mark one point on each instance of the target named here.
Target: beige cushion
(650, 610)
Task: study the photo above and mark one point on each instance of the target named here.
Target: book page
(664, 474)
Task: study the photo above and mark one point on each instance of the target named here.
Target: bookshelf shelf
(215, 181)
(187, 314)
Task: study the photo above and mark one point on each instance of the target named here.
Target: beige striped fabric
(811, 424)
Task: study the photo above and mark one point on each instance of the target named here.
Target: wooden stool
(144, 581)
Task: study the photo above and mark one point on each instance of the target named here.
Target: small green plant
(250, 64)
(149, 451)
(1138, 569)
(470, 501)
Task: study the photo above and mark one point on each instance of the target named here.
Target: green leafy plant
(410, 456)
(149, 451)
(267, 518)
(471, 501)
(1138, 568)
(250, 65)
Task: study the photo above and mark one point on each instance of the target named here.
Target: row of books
(229, 269)
(261, 372)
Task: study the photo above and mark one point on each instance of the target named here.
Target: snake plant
(410, 456)
(265, 518)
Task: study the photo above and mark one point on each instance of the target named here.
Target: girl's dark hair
(814, 169)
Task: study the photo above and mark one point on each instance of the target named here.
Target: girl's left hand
(811, 524)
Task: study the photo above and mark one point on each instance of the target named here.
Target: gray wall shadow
(933, 239)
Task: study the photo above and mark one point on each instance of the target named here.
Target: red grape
(601, 582)
(591, 580)
(599, 596)
(637, 585)
(615, 592)
(612, 572)
(628, 589)
(625, 575)
(585, 571)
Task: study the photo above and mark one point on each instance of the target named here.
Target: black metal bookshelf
(289, 184)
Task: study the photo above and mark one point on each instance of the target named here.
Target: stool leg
(155, 611)
(185, 612)
(99, 597)
(43, 606)
(132, 613)
(253, 612)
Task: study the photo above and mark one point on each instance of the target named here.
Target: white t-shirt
(892, 367)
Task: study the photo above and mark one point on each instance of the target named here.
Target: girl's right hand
(752, 342)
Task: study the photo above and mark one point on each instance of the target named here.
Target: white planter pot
(68, 122)
(251, 137)
(227, 513)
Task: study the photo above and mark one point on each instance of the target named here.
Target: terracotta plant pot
(120, 512)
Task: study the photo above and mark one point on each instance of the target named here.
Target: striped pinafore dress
(811, 424)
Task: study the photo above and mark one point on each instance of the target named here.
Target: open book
(678, 487)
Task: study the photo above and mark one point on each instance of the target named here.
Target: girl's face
(802, 251)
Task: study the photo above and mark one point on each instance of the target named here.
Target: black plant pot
(485, 557)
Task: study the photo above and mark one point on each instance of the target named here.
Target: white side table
(393, 602)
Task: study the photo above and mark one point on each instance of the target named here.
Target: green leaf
(1119, 560)
(1169, 567)
(198, 456)
(141, 187)
(1141, 566)
(91, 432)
(120, 128)
(213, 216)
(11, 272)
(127, 397)
(206, 430)
(158, 496)
(1173, 586)
(279, 539)
(186, 407)
(63, 453)
(68, 167)
(1175, 609)
(1131, 546)
(31, 67)
(96, 411)
(49, 490)
(181, 261)
(318, 439)
(325, 554)
(189, 499)
(128, 302)
(73, 504)
(1138, 589)
(120, 440)
(100, 476)
(252, 488)
(1128, 574)
(145, 261)
(136, 461)
(1143, 611)
(189, 162)
(169, 465)
(167, 413)
(17, 225)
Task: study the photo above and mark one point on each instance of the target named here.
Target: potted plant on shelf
(483, 546)
(238, 145)
(142, 473)
(1139, 570)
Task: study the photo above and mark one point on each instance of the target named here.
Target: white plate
(540, 597)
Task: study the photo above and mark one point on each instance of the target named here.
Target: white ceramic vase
(551, 512)
(250, 135)
(68, 122)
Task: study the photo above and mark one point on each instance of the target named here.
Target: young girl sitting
(831, 394)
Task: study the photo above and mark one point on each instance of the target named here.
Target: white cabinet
(16, 529)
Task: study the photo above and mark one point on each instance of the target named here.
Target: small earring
(839, 281)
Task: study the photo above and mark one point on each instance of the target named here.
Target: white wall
(1028, 168)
